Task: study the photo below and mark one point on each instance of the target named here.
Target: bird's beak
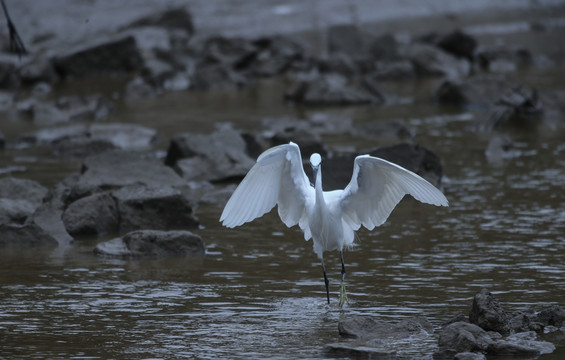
(315, 171)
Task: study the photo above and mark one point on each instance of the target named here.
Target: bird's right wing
(276, 178)
(377, 186)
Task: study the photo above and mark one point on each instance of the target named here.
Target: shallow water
(258, 292)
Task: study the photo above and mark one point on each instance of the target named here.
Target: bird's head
(315, 161)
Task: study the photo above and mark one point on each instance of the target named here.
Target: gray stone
(159, 208)
(476, 92)
(461, 337)
(115, 169)
(469, 356)
(95, 214)
(152, 243)
(19, 198)
(487, 312)
(330, 89)
(217, 156)
(104, 55)
(524, 344)
(431, 61)
(27, 235)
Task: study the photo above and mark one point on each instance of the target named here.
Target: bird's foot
(342, 295)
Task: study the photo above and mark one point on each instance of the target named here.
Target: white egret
(330, 218)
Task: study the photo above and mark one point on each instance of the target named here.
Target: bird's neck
(318, 187)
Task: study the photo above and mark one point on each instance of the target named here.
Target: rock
(502, 59)
(84, 140)
(138, 88)
(415, 158)
(27, 235)
(48, 214)
(115, 54)
(460, 337)
(96, 214)
(348, 39)
(469, 356)
(390, 130)
(159, 208)
(216, 76)
(487, 313)
(328, 90)
(19, 198)
(238, 53)
(217, 156)
(152, 243)
(38, 69)
(275, 55)
(431, 61)
(554, 316)
(9, 79)
(501, 147)
(172, 19)
(384, 48)
(65, 109)
(393, 70)
(375, 337)
(308, 141)
(523, 344)
(476, 92)
(117, 168)
(459, 44)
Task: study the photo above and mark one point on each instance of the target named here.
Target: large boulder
(96, 214)
(115, 169)
(487, 312)
(152, 243)
(19, 198)
(474, 92)
(113, 54)
(158, 208)
(217, 156)
(461, 337)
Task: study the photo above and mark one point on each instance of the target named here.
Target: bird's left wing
(276, 178)
(377, 186)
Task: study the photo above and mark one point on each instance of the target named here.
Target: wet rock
(348, 39)
(308, 141)
(217, 156)
(394, 70)
(520, 107)
(554, 316)
(275, 55)
(462, 337)
(501, 147)
(115, 54)
(475, 92)
(235, 52)
(502, 59)
(6, 101)
(415, 158)
(159, 208)
(48, 214)
(117, 168)
(27, 235)
(173, 19)
(19, 198)
(374, 337)
(469, 356)
(96, 214)
(459, 44)
(431, 61)
(138, 88)
(524, 344)
(2, 141)
(216, 76)
(487, 312)
(384, 48)
(152, 243)
(8, 74)
(83, 140)
(37, 69)
(389, 130)
(328, 90)
(65, 109)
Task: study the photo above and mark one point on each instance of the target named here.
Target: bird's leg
(326, 281)
(342, 292)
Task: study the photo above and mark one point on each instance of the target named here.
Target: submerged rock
(27, 235)
(152, 243)
(431, 61)
(375, 337)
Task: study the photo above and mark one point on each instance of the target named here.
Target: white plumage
(329, 217)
